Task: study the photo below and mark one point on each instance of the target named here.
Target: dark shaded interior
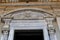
(28, 35)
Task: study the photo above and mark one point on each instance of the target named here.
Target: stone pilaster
(5, 29)
(52, 31)
(4, 35)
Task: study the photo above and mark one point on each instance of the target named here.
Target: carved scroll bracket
(5, 29)
(51, 28)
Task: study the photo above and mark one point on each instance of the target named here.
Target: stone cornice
(30, 4)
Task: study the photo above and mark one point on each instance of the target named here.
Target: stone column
(51, 29)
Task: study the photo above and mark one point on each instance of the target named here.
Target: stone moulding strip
(28, 4)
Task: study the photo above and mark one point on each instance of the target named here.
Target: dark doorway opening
(28, 35)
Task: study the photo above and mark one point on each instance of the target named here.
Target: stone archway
(30, 14)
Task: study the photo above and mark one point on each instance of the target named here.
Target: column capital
(7, 21)
(50, 19)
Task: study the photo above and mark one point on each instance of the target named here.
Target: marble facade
(18, 18)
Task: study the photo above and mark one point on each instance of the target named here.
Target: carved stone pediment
(28, 14)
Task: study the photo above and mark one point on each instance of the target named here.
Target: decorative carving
(4, 35)
(51, 28)
(30, 14)
(27, 14)
(5, 30)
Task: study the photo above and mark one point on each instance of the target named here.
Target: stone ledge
(31, 3)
